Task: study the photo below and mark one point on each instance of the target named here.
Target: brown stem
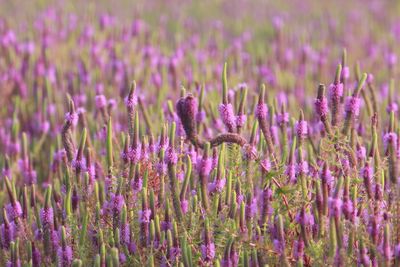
(219, 139)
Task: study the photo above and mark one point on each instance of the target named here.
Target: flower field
(199, 133)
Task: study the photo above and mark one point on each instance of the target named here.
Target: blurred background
(268, 37)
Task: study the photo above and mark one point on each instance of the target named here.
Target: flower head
(227, 115)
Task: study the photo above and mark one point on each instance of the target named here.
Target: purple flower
(200, 116)
(122, 258)
(64, 256)
(353, 105)
(321, 107)
(8, 233)
(397, 251)
(6, 172)
(391, 59)
(71, 118)
(261, 111)
(282, 118)
(92, 172)
(249, 152)
(345, 72)
(144, 216)
(291, 173)
(124, 156)
(14, 210)
(47, 216)
(166, 225)
(172, 156)
(266, 165)
(112, 103)
(185, 206)
(187, 109)
(231, 261)
(361, 153)
(298, 249)
(239, 198)
(134, 154)
(335, 206)
(390, 138)
(100, 101)
(348, 208)
(79, 164)
(227, 115)
(302, 168)
(59, 155)
(301, 129)
(386, 250)
(305, 219)
(278, 246)
(137, 184)
(370, 78)
(367, 172)
(335, 91)
(161, 168)
(275, 134)
(204, 166)
(241, 120)
(208, 251)
(28, 173)
(13, 148)
(114, 205)
(217, 185)
(392, 107)
(36, 256)
(363, 257)
(326, 176)
(131, 102)
(378, 192)
(13, 264)
(125, 234)
(175, 253)
(251, 208)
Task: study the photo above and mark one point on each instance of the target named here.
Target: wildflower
(261, 111)
(114, 205)
(301, 129)
(367, 172)
(101, 101)
(240, 120)
(204, 166)
(335, 91)
(321, 106)
(208, 251)
(335, 206)
(217, 186)
(172, 157)
(298, 249)
(79, 164)
(144, 216)
(249, 152)
(64, 256)
(47, 216)
(134, 154)
(227, 116)
(71, 118)
(282, 118)
(186, 109)
(353, 106)
(8, 231)
(14, 210)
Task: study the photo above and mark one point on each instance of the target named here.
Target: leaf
(268, 177)
(286, 189)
